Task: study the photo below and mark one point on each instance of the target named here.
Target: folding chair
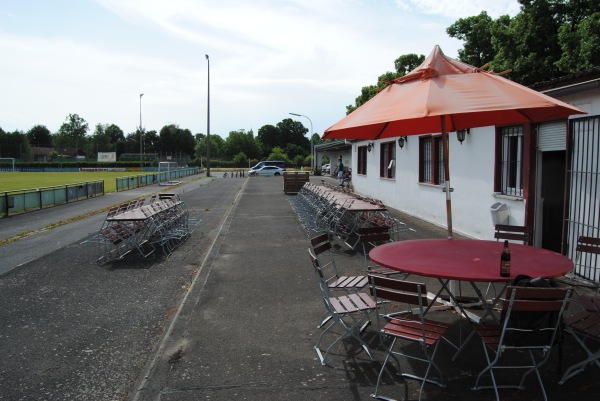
(370, 237)
(509, 232)
(531, 320)
(408, 326)
(350, 313)
(321, 247)
(584, 326)
(514, 233)
(587, 253)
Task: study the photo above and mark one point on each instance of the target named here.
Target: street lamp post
(312, 151)
(208, 121)
(141, 137)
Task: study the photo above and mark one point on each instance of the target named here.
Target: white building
(544, 176)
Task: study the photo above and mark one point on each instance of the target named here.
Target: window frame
(431, 160)
(361, 166)
(511, 160)
(387, 160)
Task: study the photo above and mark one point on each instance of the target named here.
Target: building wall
(471, 176)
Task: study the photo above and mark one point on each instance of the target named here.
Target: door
(552, 199)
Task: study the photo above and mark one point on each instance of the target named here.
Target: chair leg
(349, 331)
(592, 358)
(387, 358)
(489, 368)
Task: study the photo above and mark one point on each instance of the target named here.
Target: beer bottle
(505, 261)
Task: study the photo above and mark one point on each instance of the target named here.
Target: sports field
(16, 181)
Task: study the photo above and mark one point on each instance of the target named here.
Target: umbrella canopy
(444, 95)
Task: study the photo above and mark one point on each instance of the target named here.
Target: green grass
(17, 181)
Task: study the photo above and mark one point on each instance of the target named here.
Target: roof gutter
(571, 89)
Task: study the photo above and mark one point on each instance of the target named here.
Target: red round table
(471, 261)
(468, 260)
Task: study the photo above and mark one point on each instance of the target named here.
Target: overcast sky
(267, 58)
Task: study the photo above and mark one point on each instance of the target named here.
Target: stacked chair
(142, 228)
(324, 208)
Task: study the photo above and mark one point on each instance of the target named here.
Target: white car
(268, 171)
(326, 168)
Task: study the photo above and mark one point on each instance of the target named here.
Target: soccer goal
(166, 169)
(12, 160)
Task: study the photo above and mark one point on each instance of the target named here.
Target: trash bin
(500, 213)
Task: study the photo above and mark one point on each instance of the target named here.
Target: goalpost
(6, 168)
(166, 166)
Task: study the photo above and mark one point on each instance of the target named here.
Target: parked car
(267, 171)
(326, 168)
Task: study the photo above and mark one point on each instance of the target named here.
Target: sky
(267, 58)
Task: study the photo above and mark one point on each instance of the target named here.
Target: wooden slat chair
(321, 246)
(514, 233)
(587, 251)
(409, 326)
(585, 328)
(516, 336)
(370, 237)
(321, 251)
(350, 313)
(509, 232)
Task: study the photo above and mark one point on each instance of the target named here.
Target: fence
(13, 202)
(583, 214)
(136, 181)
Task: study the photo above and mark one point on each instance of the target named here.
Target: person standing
(340, 171)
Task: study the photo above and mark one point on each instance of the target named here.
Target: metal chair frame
(409, 326)
(350, 313)
(496, 338)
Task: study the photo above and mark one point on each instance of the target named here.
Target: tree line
(285, 141)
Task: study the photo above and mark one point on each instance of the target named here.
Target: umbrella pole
(446, 150)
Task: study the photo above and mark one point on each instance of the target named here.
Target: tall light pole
(208, 121)
(312, 151)
(141, 137)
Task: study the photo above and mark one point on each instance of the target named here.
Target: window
(431, 160)
(387, 162)
(362, 160)
(511, 161)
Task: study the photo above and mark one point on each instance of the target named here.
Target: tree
(114, 133)
(278, 154)
(217, 143)
(241, 142)
(476, 32)
(579, 43)
(293, 132)
(40, 136)
(71, 133)
(293, 151)
(240, 160)
(268, 136)
(151, 142)
(14, 144)
(175, 140)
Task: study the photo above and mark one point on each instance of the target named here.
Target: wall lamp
(462, 134)
(370, 146)
(402, 141)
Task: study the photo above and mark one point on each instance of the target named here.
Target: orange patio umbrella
(445, 95)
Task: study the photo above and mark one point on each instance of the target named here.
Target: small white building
(545, 176)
